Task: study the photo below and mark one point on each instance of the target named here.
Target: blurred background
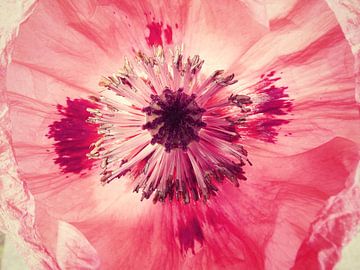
(11, 261)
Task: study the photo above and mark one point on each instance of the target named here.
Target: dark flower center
(173, 119)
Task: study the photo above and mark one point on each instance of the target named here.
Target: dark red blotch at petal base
(275, 103)
(189, 232)
(265, 129)
(196, 225)
(73, 136)
(158, 34)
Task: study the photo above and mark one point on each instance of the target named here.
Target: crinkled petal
(80, 42)
(326, 177)
(65, 243)
(334, 227)
(347, 12)
(234, 32)
(248, 228)
(18, 217)
(72, 52)
(17, 204)
(309, 52)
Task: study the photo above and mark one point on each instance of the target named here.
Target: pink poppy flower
(181, 134)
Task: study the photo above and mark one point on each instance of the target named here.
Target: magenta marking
(275, 103)
(73, 136)
(189, 232)
(158, 35)
(168, 34)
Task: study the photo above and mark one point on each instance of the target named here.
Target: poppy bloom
(182, 135)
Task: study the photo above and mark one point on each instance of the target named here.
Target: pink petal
(66, 243)
(68, 66)
(314, 60)
(80, 42)
(306, 177)
(16, 203)
(18, 207)
(347, 12)
(157, 22)
(335, 226)
(248, 228)
(234, 32)
(73, 250)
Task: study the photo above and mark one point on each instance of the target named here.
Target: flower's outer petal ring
(18, 213)
(338, 219)
(337, 224)
(16, 203)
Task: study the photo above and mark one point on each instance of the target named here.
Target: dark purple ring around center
(174, 119)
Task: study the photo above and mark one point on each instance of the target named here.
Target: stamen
(172, 132)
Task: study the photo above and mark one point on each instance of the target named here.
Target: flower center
(167, 127)
(173, 119)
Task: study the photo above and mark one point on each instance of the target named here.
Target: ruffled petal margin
(18, 209)
(16, 203)
(348, 14)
